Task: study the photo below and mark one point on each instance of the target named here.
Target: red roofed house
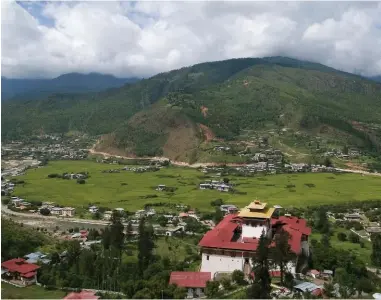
(231, 244)
(82, 295)
(195, 282)
(19, 271)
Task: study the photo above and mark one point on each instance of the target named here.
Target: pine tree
(281, 252)
(145, 246)
(376, 250)
(261, 287)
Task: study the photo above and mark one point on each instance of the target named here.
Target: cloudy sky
(46, 39)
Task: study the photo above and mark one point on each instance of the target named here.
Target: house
(68, 212)
(56, 211)
(313, 273)
(107, 215)
(194, 282)
(228, 208)
(170, 232)
(204, 186)
(231, 244)
(35, 257)
(89, 295)
(352, 217)
(303, 287)
(19, 272)
(161, 187)
(93, 209)
(326, 274)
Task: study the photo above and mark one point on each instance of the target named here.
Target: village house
(36, 257)
(230, 245)
(68, 212)
(93, 209)
(194, 282)
(313, 273)
(19, 272)
(352, 217)
(107, 215)
(161, 187)
(56, 211)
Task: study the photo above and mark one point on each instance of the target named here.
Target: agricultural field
(132, 191)
(31, 292)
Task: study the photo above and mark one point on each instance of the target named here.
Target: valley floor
(132, 191)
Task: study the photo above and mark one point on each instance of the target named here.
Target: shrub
(354, 238)
(81, 181)
(341, 236)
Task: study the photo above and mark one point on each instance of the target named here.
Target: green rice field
(131, 190)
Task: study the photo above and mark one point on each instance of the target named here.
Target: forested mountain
(169, 113)
(68, 83)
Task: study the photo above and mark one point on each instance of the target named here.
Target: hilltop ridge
(184, 114)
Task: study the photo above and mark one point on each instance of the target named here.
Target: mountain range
(67, 83)
(181, 114)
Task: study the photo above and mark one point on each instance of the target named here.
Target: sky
(128, 39)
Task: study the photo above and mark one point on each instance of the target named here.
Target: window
(207, 257)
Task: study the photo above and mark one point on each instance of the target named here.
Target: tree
(116, 231)
(329, 290)
(162, 221)
(364, 285)
(346, 282)
(226, 180)
(81, 181)
(145, 246)
(45, 211)
(322, 223)
(376, 250)
(328, 162)
(261, 287)
(212, 289)
(354, 238)
(218, 216)
(179, 293)
(281, 252)
(341, 236)
(226, 283)
(129, 231)
(325, 240)
(238, 277)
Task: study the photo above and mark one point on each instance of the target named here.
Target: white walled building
(232, 243)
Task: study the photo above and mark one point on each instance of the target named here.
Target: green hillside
(174, 113)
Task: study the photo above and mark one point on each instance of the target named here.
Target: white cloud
(144, 38)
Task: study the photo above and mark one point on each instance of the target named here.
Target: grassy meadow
(129, 190)
(31, 292)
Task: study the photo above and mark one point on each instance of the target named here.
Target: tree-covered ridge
(227, 96)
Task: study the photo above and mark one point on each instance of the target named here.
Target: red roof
(19, 265)
(82, 295)
(190, 279)
(29, 275)
(183, 214)
(221, 236)
(315, 272)
(317, 292)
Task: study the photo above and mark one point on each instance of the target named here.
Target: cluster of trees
(104, 266)
(17, 240)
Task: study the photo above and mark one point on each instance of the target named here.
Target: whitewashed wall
(250, 231)
(221, 263)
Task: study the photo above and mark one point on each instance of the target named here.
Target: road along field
(132, 191)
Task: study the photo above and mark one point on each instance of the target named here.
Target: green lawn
(31, 292)
(106, 189)
(362, 253)
(171, 247)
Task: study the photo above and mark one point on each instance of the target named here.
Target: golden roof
(257, 209)
(256, 205)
